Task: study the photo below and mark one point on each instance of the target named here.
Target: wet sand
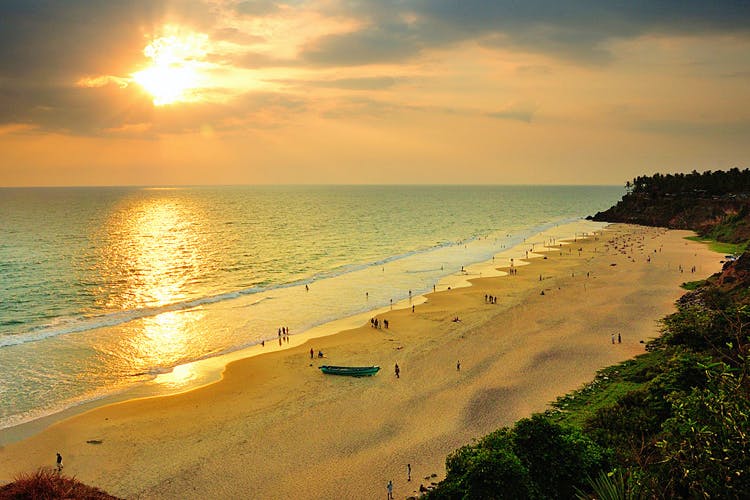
(275, 427)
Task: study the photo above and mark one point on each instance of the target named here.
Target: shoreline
(196, 374)
(433, 409)
(235, 324)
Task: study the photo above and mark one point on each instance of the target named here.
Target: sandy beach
(275, 427)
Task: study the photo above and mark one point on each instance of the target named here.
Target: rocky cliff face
(725, 218)
(735, 273)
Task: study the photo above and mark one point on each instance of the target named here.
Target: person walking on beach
(408, 472)
(398, 371)
(389, 487)
(312, 353)
(613, 339)
(59, 463)
(458, 365)
(619, 339)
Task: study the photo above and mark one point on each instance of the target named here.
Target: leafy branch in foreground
(706, 444)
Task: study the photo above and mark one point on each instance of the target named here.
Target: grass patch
(719, 247)
(609, 385)
(693, 285)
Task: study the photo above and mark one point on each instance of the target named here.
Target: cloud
(236, 35)
(534, 70)
(78, 110)
(48, 49)
(256, 60)
(59, 40)
(257, 8)
(520, 115)
(576, 30)
(730, 129)
(373, 44)
(365, 83)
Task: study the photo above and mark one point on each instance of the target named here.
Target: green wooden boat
(350, 371)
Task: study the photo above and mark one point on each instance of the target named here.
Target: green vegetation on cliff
(671, 423)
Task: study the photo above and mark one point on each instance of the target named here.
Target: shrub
(707, 442)
(537, 458)
(559, 459)
(48, 484)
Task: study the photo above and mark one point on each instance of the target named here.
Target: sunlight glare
(175, 71)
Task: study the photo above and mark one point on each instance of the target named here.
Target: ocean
(105, 290)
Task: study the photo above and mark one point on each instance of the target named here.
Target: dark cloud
(46, 46)
(54, 40)
(81, 111)
(111, 109)
(374, 44)
(580, 21)
(574, 30)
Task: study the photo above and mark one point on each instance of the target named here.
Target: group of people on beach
(378, 324)
(490, 299)
(283, 334)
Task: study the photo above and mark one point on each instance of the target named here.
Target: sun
(175, 71)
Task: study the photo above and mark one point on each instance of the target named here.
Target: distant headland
(716, 205)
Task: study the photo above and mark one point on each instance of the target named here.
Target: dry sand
(275, 427)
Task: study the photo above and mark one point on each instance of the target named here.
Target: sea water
(105, 289)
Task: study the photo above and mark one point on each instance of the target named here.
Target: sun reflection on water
(167, 340)
(154, 256)
(179, 378)
(154, 252)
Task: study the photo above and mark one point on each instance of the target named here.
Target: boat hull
(350, 371)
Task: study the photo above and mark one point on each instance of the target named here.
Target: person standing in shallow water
(389, 487)
(398, 371)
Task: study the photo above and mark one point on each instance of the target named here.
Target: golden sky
(151, 92)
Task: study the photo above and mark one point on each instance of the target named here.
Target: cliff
(713, 204)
